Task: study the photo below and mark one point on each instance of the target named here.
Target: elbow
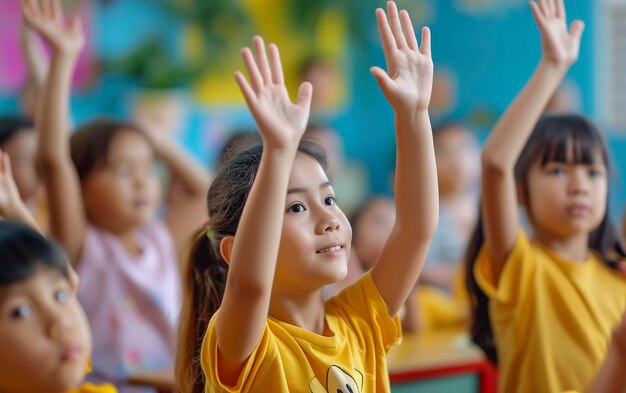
(493, 165)
(49, 164)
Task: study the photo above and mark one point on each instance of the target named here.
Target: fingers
(386, 36)
(425, 48)
(276, 65)
(30, 9)
(262, 71)
(76, 23)
(261, 60)
(248, 92)
(409, 33)
(537, 14)
(6, 166)
(384, 81)
(253, 71)
(545, 8)
(55, 10)
(560, 9)
(396, 26)
(576, 29)
(305, 94)
(46, 8)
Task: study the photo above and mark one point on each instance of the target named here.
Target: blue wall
(492, 53)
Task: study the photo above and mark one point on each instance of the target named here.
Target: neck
(129, 241)
(574, 248)
(305, 310)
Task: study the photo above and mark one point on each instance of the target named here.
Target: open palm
(281, 122)
(559, 45)
(46, 17)
(407, 84)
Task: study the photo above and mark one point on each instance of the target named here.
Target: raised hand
(408, 82)
(558, 44)
(10, 200)
(281, 122)
(46, 17)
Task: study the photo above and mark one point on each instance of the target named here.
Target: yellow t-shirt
(89, 388)
(291, 359)
(552, 318)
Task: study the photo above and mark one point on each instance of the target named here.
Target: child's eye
(594, 172)
(123, 171)
(296, 208)
(330, 201)
(60, 296)
(23, 311)
(556, 171)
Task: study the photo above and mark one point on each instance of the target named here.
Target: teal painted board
(460, 384)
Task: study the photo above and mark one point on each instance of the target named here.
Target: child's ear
(226, 247)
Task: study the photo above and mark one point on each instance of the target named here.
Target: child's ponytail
(205, 278)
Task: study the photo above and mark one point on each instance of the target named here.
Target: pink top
(132, 302)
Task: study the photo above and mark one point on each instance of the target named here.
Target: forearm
(34, 56)
(417, 211)
(510, 134)
(256, 245)
(67, 219)
(416, 190)
(22, 214)
(187, 172)
(53, 115)
(246, 299)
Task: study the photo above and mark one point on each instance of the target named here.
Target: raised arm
(34, 57)
(67, 217)
(506, 141)
(188, 184)
(407, 85)
(13, 207)
(245, 304)
(11, 204)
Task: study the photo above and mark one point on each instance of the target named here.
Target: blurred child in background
(548, 303)
(103, 194)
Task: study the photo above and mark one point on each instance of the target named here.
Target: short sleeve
(363, 300)
(516, 276)
(265, 352)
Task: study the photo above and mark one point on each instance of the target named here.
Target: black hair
(23, 251)
(11, 125)
(206, 271)
(548, 142)
(90, 144)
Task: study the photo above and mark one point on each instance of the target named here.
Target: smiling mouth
(329, 249)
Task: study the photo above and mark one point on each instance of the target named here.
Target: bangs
(24, 251)
(574, 135)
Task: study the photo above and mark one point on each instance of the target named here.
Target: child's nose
(59, 323)
(578, 182)
(328, 223)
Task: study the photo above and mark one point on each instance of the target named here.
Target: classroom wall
(489, 48)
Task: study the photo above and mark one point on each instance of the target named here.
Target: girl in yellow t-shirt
(545, 306)
(44, 334)
(254, 315)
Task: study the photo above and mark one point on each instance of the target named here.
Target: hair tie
(207, 228)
